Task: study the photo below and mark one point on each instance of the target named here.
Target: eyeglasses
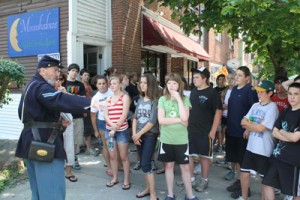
(61, 79)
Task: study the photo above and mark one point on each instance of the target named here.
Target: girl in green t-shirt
(173, 114)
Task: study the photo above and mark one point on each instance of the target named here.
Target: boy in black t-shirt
(283, 172)
(75, 87)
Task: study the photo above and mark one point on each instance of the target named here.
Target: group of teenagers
(257, 138)
(165, 115)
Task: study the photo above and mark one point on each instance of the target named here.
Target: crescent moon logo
(13, 34)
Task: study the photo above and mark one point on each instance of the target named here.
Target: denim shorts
(101, 125)
(120, 136)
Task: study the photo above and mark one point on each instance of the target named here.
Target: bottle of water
(111, 144)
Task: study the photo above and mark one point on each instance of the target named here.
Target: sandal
(71, 178)
(142, 195)
(126, 187)
(111, 183)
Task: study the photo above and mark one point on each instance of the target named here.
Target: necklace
(264, 104)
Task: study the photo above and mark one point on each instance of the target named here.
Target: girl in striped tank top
(117, 128)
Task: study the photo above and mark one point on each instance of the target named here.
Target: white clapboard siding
(92, 18)
(10, 124)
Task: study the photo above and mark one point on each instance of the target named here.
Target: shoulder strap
(25, 94)
(121, 97)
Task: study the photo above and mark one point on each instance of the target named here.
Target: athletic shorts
(283, 176)
(200, 145)
(255, 162)
(173, 153)
(235, 148)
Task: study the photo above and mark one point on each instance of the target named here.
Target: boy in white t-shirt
(99, 122)
(258, 123)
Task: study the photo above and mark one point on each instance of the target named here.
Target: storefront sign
(33, 33)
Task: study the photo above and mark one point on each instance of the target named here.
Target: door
(92, 59)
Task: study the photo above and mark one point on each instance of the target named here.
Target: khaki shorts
(78, 132)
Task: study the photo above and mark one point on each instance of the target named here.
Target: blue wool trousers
(47, 181)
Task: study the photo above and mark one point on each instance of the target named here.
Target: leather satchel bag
(40, 151)
(43, 151)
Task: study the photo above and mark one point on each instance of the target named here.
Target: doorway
(92, 59)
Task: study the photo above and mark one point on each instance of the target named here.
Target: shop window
(191, 65)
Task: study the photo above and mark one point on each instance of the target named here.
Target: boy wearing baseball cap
(258, 122)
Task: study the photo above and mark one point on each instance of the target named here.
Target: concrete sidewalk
(92, 179)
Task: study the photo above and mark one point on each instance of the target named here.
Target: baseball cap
(47, 61)
(265, 86)
(202, 70)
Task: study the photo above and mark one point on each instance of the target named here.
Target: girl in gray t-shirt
(145, 130)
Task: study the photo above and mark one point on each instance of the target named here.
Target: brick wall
(177, 65)
(126, 32)
(162, 11)
(219, 51)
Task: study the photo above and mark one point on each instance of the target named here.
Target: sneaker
(181, 184)
(236, 186)
(238, 194)
(230, 176)
(287, 197)
(197, 169)
(76, 165)
(170, 198)
(153, 166)
(202, 186)
(221, 161)
(194, 198)
(137, 165)
(91, 152)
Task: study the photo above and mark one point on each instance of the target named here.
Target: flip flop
(111, 184)
(71, 178)
(126, 187)
(142, 195)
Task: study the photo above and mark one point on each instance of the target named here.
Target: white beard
(51, 82)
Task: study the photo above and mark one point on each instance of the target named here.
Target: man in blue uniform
(40, 102)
